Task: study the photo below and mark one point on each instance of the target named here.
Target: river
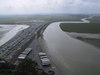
(70, 56)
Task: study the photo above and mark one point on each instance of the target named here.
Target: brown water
(70, 56)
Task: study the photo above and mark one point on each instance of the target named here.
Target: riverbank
(69, 55)
(44, 46)
(45, 49)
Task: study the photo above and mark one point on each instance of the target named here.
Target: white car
(41, 57)
(42, 54)
(22, 56)
(45, 62)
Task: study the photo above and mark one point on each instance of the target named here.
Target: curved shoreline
(12, 33)
(83, 20)
(45, 47)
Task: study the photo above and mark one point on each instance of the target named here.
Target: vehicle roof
(45, 59)
(42, 53)
(21, 56)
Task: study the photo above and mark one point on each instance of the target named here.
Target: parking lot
(13, 47)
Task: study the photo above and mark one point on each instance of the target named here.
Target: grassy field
(57, 17)
(14, 19)
(81, 27)
(95, 19)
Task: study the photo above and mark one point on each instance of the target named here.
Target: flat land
(95, 19)
(81, 27)
(20, 18)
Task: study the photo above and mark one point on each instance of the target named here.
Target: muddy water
(70, 56)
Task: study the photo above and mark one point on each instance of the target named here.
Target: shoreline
(16, 31)
(45, 48)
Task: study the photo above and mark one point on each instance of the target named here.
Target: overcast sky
(49, 6)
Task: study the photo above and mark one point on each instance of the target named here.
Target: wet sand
(12, 33)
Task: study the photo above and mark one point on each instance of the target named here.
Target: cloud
(91, 1)
(49, 6)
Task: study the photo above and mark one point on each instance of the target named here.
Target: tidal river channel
(70, 56)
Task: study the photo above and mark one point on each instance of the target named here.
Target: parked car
(42, 54)
(44, 59)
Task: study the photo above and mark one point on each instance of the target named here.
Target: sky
(49, 6)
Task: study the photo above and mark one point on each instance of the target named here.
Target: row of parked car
(46, 62)
(44, 59)
(24, 53)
